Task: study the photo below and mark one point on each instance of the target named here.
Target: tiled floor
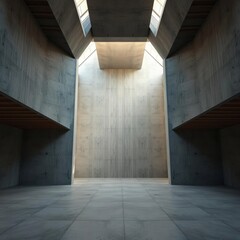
(114, 209)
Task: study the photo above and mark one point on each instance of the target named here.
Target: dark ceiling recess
(196, 16)
(224, 115)
(44, 16)
(120, 18)
(18, 115)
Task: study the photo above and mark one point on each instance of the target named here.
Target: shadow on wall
(47, 157)
(195, 157)
(10, 155)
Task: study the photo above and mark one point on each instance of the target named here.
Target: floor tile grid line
(166, 213)
(40, 209)
(78, 214)
(124, 227)
(235, 229)
(220, 220)
(21, 221)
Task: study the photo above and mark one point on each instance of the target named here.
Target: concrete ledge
(66, 14)
(173, 16)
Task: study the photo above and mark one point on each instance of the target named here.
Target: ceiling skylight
(87, 53)
(153, 53)
(158, 7)
(83, 13)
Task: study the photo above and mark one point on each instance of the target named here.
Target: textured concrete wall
(66, 14)
(41, 76)
(10, 155)
(121, 129)
(172, 19)
(206, 72)
(195, 157)
(46, 157)
(182, 84)
(32, 70)
(200, 76)
(230, 142)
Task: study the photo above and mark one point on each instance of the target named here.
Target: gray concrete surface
(46, 157)
(120, 20)
(66, 14)
(230, 142)
(121, 124)
(200, 76)
(39, 75)
(195, 157)
(172, 19)
(32, 70)
(206, 72)
(10, 155)
(36, 73)
(120, 209)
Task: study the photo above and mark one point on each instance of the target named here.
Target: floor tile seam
(207, 212)
(151, 196)
(124, 227)
(47, 206)
(31, 215)
(119, 220)
(172, 220)
(210, 217)
(77, 216)
(12, 227)
(203, 209)
(210, 208)
(157, 206)
(151, 220)
(227, 224)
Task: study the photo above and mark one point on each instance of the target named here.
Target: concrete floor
(114, 209)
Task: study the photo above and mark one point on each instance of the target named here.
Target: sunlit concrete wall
(121, 128)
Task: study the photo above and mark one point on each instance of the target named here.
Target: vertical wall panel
(230, 142)
(121, 129)
(41, 76)
(10, 155)
(32, 70)
(199, 77)
(206, 72)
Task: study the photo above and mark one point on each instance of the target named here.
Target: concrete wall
(206, 72)
(32, 70)
(195, 157)
(121, 128)
(47, 157)
(173, 16)
(200, 76)
(10, 155)
(230, 142)
(67, 16)
(41, 76)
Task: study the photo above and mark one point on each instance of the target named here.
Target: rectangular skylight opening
(158, 7)
(83, 13)
(91, 48)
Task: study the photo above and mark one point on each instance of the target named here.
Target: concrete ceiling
(59, 21)
(42, 12)
(120, 20)
(196, 16)
(120, 55)
(181, 20)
